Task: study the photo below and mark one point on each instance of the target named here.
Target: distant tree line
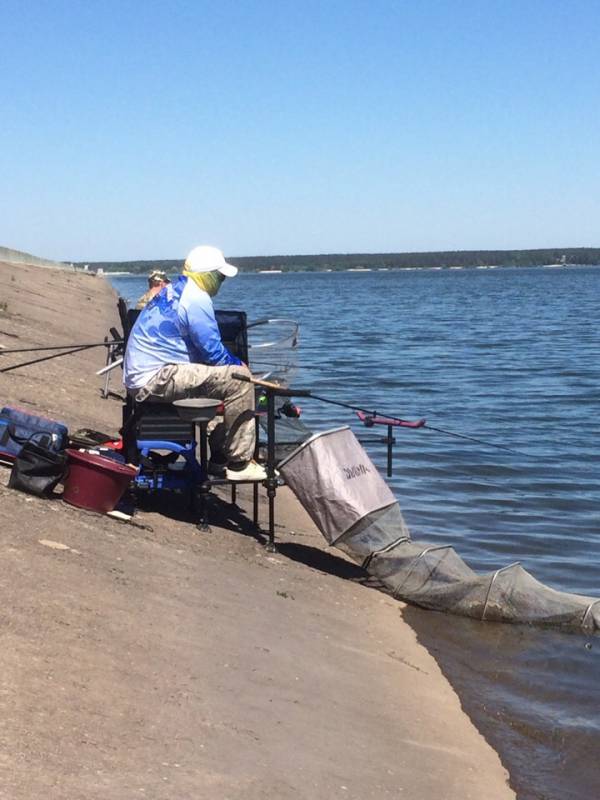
(341, 261)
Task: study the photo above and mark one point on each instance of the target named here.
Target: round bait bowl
(198, 409)
(94, 482)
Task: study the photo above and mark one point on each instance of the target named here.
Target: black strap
(36, 437)
(12, 432)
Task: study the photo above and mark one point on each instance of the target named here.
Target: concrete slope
(159, 662)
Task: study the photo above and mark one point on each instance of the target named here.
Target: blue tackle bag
(18, 427)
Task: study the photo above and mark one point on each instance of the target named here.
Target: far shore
(360, 270)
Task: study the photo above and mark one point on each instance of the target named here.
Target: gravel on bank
(157, 661)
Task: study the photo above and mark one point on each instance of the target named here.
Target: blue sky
(139, 129)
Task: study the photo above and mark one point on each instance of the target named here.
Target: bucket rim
(93, 459)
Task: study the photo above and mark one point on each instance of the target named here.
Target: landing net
(273, 349)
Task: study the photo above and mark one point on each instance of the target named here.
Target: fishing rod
(370, 418)
(369, 421)
(56, 347)
(78, 349)
(474, 439)
(289, 322)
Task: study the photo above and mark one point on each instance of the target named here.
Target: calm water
(506, 355)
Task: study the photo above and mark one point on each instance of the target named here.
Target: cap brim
(228, 270)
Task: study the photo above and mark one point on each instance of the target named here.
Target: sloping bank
(166, 663)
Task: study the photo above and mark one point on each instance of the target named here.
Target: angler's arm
(203, 333)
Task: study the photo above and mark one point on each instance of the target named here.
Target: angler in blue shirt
(175, 351)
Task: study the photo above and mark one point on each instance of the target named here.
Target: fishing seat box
(18, 426)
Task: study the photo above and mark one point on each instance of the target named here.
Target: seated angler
(175, 351)
(157, 280)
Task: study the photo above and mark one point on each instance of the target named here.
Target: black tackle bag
(37, 469)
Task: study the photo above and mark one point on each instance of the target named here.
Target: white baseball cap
(209, 259)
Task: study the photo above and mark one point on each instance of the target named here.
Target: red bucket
(95, 482)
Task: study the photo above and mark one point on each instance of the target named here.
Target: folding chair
(165, 440)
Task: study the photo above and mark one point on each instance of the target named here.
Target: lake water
(505, 355)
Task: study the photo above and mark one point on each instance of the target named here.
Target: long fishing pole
(420, 424)
(368, 414)
(47, 358)
(474, 439)
(57, 347)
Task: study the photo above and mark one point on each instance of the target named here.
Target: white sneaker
(251, 472)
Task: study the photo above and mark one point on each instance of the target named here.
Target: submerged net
(341, 489)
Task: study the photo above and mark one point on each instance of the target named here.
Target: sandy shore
(163, 663)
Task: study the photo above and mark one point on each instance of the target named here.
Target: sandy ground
(157, 661)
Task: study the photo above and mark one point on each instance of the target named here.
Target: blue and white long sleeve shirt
(178, 326)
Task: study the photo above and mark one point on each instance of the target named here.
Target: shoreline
(377, 270)
(175, 662)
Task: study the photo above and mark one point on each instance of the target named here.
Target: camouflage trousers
(231, 439)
